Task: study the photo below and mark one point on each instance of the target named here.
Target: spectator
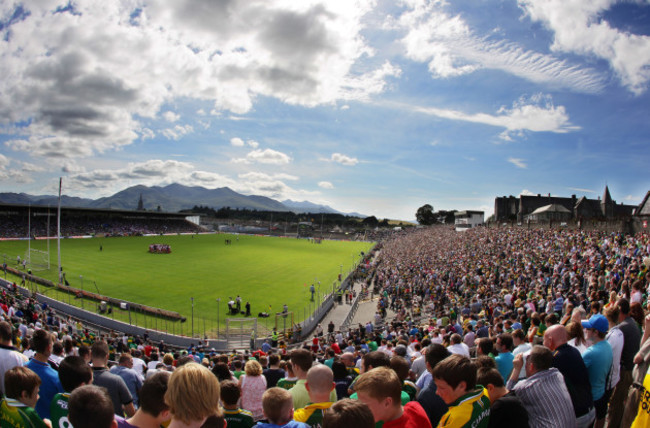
(544, 393)
(252, 386)
(457, 346)
(598, 360)
(505, 409)
(192, 395)
(469, 405)
(631, 345)
(117, 389)
(505, 357)
(91, 407)
(233, 414)
(348, 413)
(320, 383)
(73, 373)
(9, 356)
(153, 411)
(433, 405)
(50, 383)
(278, 409)
(17, 408)
(569, 362)
(274, 373)
(381, 390)
(301, 361)
(124, 369)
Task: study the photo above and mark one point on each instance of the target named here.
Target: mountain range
(174, 198)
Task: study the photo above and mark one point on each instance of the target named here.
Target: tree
(424, 215)
(370, 221)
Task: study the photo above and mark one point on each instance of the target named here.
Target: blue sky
(376, 107)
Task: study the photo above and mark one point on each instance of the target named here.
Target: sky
(376, 107)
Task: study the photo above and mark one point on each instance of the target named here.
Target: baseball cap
(597, 322)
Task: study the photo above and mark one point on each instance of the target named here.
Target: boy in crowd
(277, 404)
(320, 383)
(153, 412)
(193, 394)
(505, 409)
(21, 390)
(455, 378)
(73, 373)
(90, 406)
(348, 413)
(235, 416)
(291, 379)
(381, 390)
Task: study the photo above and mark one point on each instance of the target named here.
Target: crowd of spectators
(493, 327)
(20, 226)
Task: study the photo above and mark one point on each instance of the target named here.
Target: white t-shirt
(615, 339)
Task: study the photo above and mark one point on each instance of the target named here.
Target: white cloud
(263, 176)
(537, 114)
(344, 160)
(266, 156)
(578, 189)
(450, 47)
(147, 134)
(86, 78)
(252, 143)
(325, 185)
(237, 142)
(526, 192)
(345, 107)
(579, 28)
(152, 172)
(170, 116)
(178, 131)
(519, 163)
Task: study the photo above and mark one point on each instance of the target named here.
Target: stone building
(510, 208)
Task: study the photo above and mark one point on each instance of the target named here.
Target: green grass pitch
(267, 272)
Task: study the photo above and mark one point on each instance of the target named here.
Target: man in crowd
(598, 360)
(117, 389)
(50, 383)
(543, 393)
(124, 369)
(631, 344)
(569, 362)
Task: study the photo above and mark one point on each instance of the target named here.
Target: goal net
(239, 332)
(38, 260)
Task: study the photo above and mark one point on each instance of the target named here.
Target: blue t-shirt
(50, 386)
(290, 424)
(504, 364)
(598, 359)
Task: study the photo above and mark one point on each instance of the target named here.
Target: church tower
(140, 204)
(606, 204)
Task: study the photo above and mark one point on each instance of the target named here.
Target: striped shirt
(546, 398)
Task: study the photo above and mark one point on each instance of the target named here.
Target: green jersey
(287, 383)
(238, 418)
(14, 414)
(59, 411)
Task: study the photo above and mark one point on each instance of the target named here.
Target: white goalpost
(38, 260)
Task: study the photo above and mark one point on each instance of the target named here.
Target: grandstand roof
(13, 208)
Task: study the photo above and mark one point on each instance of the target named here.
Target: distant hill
(172, 198)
